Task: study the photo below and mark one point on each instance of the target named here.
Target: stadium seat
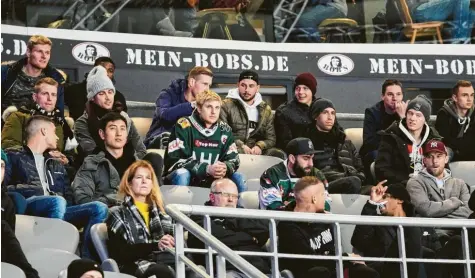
(107, 274)
(49, 262)
(9, 270)
(250, 200)
(159, 151)
(38, 232)
(99, 239)
(252, 166)
(350, 204)
(189, 195)
(253, 184)
(142, 125)
(464, 170)
(356, 137)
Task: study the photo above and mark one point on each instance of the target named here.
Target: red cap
(434, 146)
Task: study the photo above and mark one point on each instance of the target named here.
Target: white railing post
(466, 253)
(179, 250)
(402, 250)
(338, 250)
(220, 266)
(209, 254)
(273, 248)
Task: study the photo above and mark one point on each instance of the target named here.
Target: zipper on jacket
(48, 172)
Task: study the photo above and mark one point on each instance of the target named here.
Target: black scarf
(55, 115)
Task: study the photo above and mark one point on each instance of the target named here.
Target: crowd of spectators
(98, 170)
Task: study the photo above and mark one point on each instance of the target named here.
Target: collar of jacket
(155, 231)
(427, 176)
(28, 151)
(447, 175)
(49, 70)
(425, 132)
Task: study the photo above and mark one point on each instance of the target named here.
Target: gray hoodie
(464, 122)
(447, 201)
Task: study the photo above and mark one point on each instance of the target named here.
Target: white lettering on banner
(418, 66)
(175, 59)
(19, 48)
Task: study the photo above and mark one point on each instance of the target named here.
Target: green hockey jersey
(277, 186)
(193, 146)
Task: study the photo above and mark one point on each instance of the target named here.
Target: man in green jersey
(201, 147)
(277, 182)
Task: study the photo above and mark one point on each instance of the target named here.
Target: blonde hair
(205, 96)
(38, 39)
(155, 196)
(194, 72)
(46, 80)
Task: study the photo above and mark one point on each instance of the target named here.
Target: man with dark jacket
(44, 181)
(379, 117)
(292, 118)
(99, 176)
(382, 241)
(250, 117)
(400, 153)
(19, 79)
(175, 102)
(277, 182)
(75, 96)
(313, 238)
(336, 155)
(239, 234)
(456, 122)
(101, 95)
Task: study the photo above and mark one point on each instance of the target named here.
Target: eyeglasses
(226, 195)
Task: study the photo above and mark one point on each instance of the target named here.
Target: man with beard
(19, 79)
(456, 122)
(337, 157)
(75, 96)
(400, 152)
(436, 194)
(277, 182)
(250, 117)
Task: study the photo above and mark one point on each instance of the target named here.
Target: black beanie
(77, 268)
(423, 104)
(308, 80)
(319, 105)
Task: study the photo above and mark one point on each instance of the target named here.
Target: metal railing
(340, 116)
(179, 214)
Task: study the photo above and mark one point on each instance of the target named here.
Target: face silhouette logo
(88, 52)
(335, 64)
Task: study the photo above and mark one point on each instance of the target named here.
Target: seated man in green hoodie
(250, 117)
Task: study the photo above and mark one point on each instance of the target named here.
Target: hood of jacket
(49, 70)
(451, 108)
(234, 94)
(447, 175)
(92, 161)
(178, 87)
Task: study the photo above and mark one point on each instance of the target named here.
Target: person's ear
(454, 98)
(102, 134)
(34, 96)
(43, 131)
(292, 158)
(211, 197)
(191, 82)
(446, 160)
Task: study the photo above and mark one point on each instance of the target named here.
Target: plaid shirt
(127, 222)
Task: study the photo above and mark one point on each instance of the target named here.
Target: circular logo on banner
(88, 52)
(335, 64)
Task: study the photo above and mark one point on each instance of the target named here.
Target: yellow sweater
(143, 209)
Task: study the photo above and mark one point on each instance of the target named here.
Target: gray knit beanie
(97, 80)
(423, 104)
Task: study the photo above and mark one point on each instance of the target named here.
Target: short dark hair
(460, 83)
(305, 182)
(390, 82)
(32, 125)
(103, 59)
(110, 117)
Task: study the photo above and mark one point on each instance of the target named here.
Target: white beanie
(97, 81)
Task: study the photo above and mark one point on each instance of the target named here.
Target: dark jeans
(452, 249)
(19, 201)
(12, 252)
(84, 215)
(156, 161)
(346, 185)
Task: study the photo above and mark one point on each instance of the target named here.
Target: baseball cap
(299, 146)
(249, 74)
(435, 146)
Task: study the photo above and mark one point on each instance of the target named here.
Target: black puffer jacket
(393, 162)
(338, 156)
(292, 120)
